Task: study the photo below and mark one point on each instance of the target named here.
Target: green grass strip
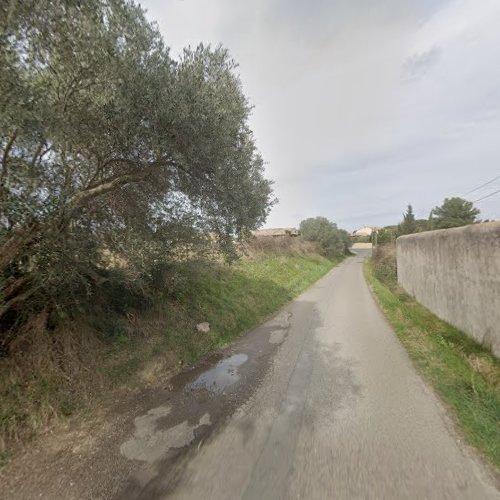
(234, 299)
(465, 374)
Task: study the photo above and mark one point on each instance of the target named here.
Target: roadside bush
(385, 235)
(385, 265)
(334, 242)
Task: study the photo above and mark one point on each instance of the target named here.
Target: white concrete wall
(456, 274)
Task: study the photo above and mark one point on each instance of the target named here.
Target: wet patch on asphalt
(150, 444)
(196, 403)
(280, 326)
(277, 337)
(222, 375)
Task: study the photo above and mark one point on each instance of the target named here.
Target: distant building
(365, 231)
(278, 232)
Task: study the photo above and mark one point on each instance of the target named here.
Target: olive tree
(333, 241)
(109, 143)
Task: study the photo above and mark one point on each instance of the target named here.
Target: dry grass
(257, 247)
(48, 375)
(485, 365)
(384, 263)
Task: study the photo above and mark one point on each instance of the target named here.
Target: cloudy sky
(361, 106)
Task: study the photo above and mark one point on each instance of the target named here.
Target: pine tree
(409, 224)
(454, 212)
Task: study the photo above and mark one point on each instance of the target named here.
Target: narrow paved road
(340, 413)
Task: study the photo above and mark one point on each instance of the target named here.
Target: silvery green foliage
(334, 242)
(107, 142)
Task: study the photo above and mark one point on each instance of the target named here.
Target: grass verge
(142, 345)
(463, 373)
(232, 299)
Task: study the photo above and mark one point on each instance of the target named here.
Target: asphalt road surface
(320, 402)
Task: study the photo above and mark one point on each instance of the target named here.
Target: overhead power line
(482, 185)
(487, 196)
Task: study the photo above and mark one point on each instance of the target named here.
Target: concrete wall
(456, 274)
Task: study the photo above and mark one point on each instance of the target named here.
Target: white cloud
(361, 107)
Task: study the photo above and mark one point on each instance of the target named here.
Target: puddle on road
(223, 374)
(215, 373)
(150, 442)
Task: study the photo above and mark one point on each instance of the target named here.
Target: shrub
(385, 265)
(334, 242)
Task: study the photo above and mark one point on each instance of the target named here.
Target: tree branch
(114, 183)
(16, 300)
(5, 157)
(36, 154)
